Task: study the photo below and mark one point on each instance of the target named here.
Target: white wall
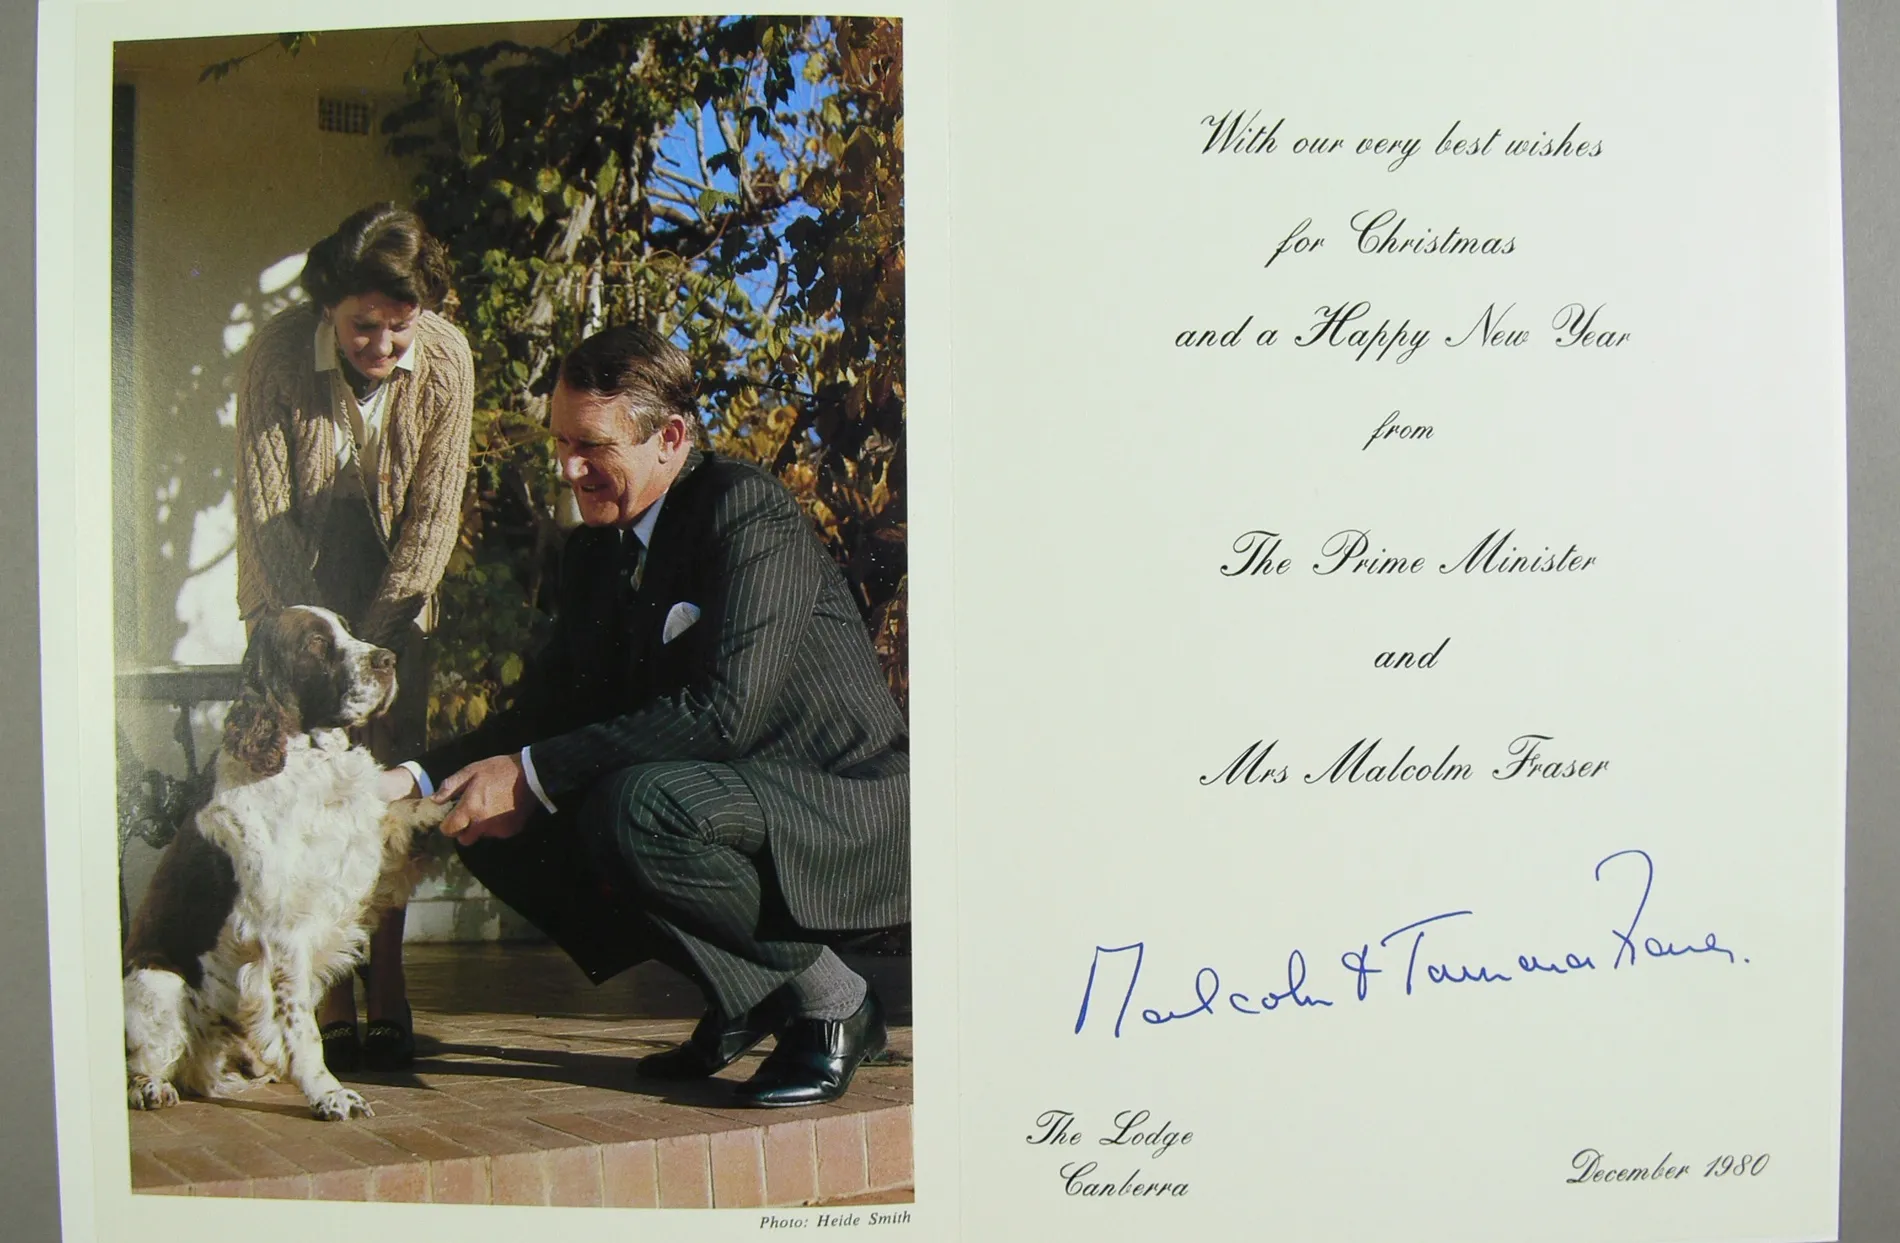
(232, 181)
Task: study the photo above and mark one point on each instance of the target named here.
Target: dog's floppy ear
(257, 729)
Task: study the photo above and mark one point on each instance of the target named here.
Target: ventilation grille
(342, 116)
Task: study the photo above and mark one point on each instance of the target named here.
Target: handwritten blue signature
(1407, 944)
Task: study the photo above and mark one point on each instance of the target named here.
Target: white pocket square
(679, 619)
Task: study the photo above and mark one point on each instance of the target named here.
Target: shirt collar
(643, 529)
(325, 346)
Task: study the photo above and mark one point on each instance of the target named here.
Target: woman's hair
(380, 249)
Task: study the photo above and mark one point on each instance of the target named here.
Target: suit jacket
(776, 678)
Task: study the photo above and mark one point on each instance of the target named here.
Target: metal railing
(153, 805)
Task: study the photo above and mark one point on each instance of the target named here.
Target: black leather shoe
(815, 1058)
(715, 1044)
(342, 1051)
(390, 1044)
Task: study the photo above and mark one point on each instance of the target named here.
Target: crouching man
(704, 766)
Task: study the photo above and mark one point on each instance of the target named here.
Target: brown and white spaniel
(267, 896)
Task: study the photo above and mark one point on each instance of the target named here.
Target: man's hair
(380, 249)
(654, 375)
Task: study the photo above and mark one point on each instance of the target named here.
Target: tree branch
(217, 70)
(699, 144)
(738, 158)
(662, 171)
(780, 288)
(667, 196)
(681, 220)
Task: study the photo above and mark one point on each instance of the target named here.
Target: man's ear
(675, 436)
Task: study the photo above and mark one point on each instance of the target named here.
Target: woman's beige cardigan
(287, 466)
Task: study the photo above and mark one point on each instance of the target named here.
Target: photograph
(511, 645)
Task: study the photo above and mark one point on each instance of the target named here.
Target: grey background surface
(29, 1196)
(1870, 114)
(1870, 152)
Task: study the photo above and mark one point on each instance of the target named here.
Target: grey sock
(827, 989)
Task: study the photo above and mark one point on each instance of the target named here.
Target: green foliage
(738, 183)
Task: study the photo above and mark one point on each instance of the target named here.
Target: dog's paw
(416, 814)
(429, 813)
(145, 1093)
(338, 1104)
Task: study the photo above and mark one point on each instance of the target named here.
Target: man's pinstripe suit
(723, 794)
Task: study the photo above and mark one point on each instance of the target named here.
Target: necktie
(633, 558)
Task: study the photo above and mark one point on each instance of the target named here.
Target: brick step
(616, 1158)
(541, 1107)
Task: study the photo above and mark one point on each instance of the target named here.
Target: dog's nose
(384, 659)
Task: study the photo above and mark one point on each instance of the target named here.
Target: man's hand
(491, 799)
(395, 783)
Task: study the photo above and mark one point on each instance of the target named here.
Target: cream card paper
(1377, 582)
(1400, 637)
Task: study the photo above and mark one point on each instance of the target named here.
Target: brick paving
(523, 1093)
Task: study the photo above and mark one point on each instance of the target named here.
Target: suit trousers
(667, 861)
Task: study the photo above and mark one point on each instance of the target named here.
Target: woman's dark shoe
(342, 1051)
(815, 1058)
(390, 1044)
(715, 1044)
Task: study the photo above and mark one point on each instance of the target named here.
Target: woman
(353, 429)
